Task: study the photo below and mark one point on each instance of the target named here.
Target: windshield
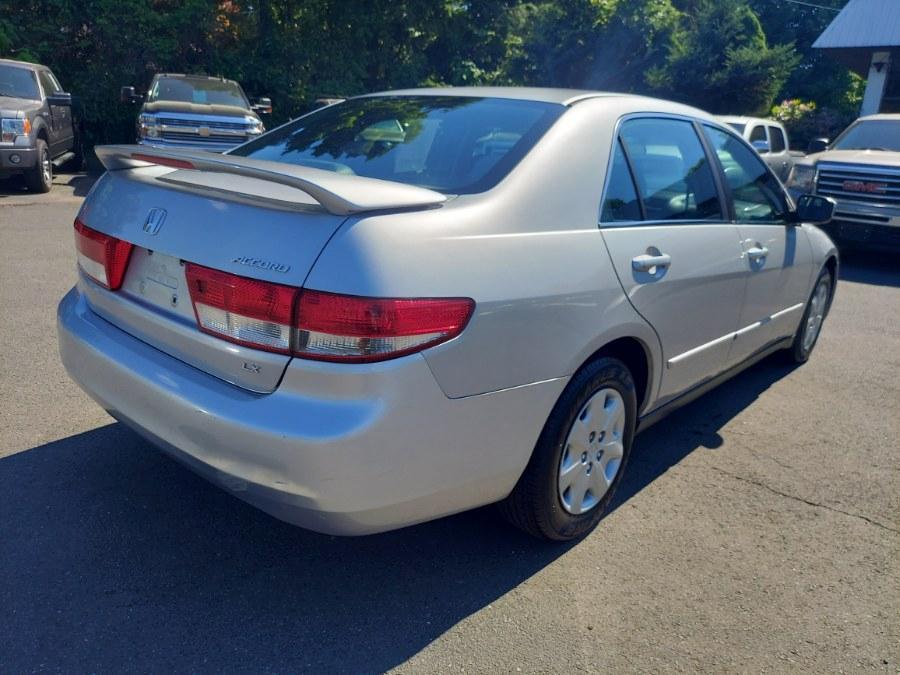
(202, 91)
(738, 127)
(870, 135)
(18, 83)
(452, 144)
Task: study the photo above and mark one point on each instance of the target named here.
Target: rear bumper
(27, 158)
(341, 449)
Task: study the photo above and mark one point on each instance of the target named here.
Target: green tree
(719, 59)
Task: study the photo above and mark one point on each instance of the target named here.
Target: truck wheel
(39, 178)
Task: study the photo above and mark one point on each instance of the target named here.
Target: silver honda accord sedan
(418, 302)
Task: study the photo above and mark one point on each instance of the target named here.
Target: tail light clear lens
(317, 325)
(335, 327)
(100, 256)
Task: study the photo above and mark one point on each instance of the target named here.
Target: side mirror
(60, 98)
(762, 147)
(262, 105)
(814, 209)
(128, 95)
(817, 145)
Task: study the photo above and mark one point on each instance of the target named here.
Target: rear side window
(673, 175)
(776, 139)
(758, 134)
(757, 195)
(452, 144)
(621, 201)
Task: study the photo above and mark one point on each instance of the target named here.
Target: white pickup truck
(860, 170)
(770, 140)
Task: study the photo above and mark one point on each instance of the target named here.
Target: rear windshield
(18, 83)
(186, 90)
(452, 144)
(870, 135)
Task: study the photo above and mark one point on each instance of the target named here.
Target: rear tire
(39, 178)
(556, 497)
(813, 318)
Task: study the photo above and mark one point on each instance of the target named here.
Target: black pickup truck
(38, 123)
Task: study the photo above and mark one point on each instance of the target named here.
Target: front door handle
(645, 263)
(757, 252)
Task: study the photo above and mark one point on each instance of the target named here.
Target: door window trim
(725, 205)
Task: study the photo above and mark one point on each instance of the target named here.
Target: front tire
(580, 456)
(39, 178)
(813, 317)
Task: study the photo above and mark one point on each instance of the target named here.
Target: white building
(866, 37)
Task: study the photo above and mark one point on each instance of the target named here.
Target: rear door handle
(645, 263)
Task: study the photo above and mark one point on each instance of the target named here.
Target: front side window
(757, 195)
(18, 82)
(453, 144)
(620, 203)
(197, 90)
(48, 83)
(673, 175)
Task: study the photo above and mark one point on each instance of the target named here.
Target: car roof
(893, 117)
(744, 119)
(566, 97)
(23, 64)
(183, 76)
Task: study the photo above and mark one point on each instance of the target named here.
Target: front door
(677, 257)
(776, 255)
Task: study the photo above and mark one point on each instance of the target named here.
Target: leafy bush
(806, 121)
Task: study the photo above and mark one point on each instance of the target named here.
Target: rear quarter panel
(529, 252)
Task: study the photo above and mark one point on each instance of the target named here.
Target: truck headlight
(802, 178)
(149, 126)
(9, 129)
(255, 127)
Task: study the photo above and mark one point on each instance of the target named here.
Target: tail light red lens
(317, 325)
(335, 327)
(100, 256)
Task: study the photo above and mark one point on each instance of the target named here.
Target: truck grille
(202, 131)
(860, 184)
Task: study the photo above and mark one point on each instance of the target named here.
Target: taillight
(318, 325)
(246, 311)
(335, 327)
(100, 256)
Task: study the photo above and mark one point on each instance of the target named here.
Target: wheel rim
(816, 315)
(46, 167)
(592, 453)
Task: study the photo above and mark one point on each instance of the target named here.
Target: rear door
(677, 256)
(775, 254)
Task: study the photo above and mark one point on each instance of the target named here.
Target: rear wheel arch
(635, 354)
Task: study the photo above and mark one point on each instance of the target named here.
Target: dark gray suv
(38, 124)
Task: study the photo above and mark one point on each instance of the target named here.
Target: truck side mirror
(262, 105)
(127, 95)
(814, 209)
(762, 147)
(817, 145)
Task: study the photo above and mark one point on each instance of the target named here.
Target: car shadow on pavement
(870, 267)
(114, 557)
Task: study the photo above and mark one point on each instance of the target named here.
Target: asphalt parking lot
(758, 529)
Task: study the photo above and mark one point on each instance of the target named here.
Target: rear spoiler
(339, 194)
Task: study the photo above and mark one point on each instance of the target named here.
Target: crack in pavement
(808, 502)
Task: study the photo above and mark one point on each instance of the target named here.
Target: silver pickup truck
(861, 171)
(196, 112)
(769, 138)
